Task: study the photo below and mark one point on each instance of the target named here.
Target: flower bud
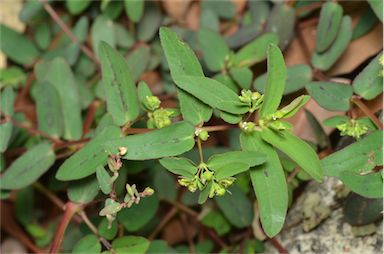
(122, 150)
(226, 182)
(114, 162)
(207, 175)
(247, 127)
(203, 135)
(151, 103)
(148, 191)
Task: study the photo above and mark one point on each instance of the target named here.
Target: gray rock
(332, 234)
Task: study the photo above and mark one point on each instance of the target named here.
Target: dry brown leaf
(192, 18)
(295, 53)
(257, 229)
(302, 128)
(239, 5)
(174, 233)
(176, 8)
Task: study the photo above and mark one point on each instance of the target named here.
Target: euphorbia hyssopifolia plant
(199, 97)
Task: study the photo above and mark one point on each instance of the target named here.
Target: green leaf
(102, 29)
(164, 184)
(7, 98)
(281, 21)
(48, 109)
(83, 191)
(84, 162)
(292, 108)
(138, 61)
(230, 118)
(28, 167)
(331, 96)
(360, 157)
(183, 61)
(297, 77)
(24, 205)
(143, 91)
(158, 247)
(275, 81)
(192, 109)
(321, 136)
(138, 215)
(227, 81)
(329, 25)
(130, 244)
(104, 180)
(224, 9)
(168, 141)
(368, 83)
(59, 74)
(124, 38)
(366, 22)
(269, 184)
(242, 76)
(255, 51)
(12, 76)
(87, 244)
(134, 9)
(335, 120)
(258, 12)
(233, 163)
(17, 47)
(43, 36)
(325, 60)
(204, 194)
(298, 150)
(32, 11)
(214, 49)
(377, 7)
(104, 231)
(179, 166)
(76, 7)
(120, 90)
(236, 207)
(149, 23)
(212, 93)
(217, 221)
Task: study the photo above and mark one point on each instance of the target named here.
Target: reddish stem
(70, 210)
(278, 246)
(68, 31)
(90, 115)
(367, 111)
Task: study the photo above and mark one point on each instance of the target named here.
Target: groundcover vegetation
(185, 126)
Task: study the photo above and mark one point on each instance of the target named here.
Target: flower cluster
(112, 206)
(157, 117)
(352, 128)
(205, 178)
(253, 99)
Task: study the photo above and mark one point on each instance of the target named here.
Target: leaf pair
(60, 113)
(224, 165)
(334, 32)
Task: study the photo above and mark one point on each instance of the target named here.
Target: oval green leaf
(329, 25)
(168, 141)
(86, 160)
(119, 88)
(28, 167)
(275, 81)
(331, 96)
(297, 149)
(269, 184)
